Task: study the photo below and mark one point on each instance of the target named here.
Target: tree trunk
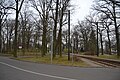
(109, 40)
(45, 24)
(44, 40)
(85, 43)
(55, 30)
(68, 35)
(18, 8)
(60, 35)
(59, 42)
(16, 28)
(101, 43)
(7, 51)
(97, 41)
(116, 31)
(28, 42)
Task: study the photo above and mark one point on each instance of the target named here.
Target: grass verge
(109, 57)
(58, 60)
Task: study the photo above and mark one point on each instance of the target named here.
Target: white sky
(82, 9)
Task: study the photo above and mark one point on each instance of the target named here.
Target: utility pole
(0, 31)
(68, 35)
(0, 35)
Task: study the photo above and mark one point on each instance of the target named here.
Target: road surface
(18, 70)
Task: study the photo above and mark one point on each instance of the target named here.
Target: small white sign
(20, 47)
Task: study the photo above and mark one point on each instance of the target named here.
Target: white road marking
(58, 77)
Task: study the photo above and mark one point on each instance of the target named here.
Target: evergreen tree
(92, 43)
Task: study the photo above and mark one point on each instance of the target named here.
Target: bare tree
(43, 8)
(106, 24)
(17, 9)
(63, 7)
(4, 8)
(84, 30)
(9, 35)
(108, 7)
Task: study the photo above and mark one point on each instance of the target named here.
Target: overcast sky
(82, 9)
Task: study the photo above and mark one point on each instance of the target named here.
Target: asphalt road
(18, 70)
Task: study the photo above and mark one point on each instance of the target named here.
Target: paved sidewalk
(91, 63)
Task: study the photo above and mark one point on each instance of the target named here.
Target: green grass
(58, 60)
(106, 56)
(109, 57)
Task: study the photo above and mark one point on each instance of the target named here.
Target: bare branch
(20, 6)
